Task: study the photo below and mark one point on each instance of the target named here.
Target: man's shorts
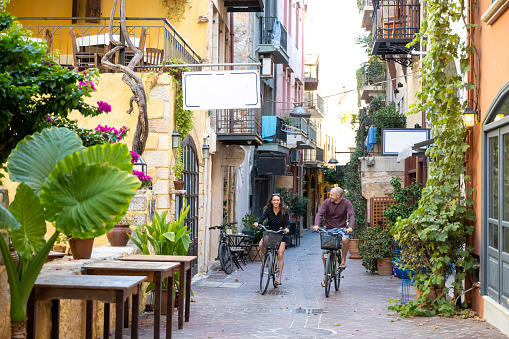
(340, 231)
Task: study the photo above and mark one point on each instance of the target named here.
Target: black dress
(275, 221)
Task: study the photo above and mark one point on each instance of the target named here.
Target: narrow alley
(229, 306)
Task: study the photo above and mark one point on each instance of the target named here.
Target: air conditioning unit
(267, 61)
(294, 155)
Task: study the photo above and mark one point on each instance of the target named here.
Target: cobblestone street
(231, 307)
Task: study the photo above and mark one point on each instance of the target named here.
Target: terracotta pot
(352, 248)
(164, 301)
(81, 248)
(384, 266)
(179, 185)
(432, 295)
(14, 256)
(119, 235)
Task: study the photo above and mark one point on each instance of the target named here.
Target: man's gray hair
(337, 190)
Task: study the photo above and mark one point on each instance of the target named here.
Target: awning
(417, 149)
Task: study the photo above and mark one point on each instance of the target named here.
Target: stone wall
(376, 174)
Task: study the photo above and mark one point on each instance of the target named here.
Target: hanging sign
(221, 89)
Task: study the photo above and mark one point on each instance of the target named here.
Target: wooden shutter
(75, 10)
(93, 10)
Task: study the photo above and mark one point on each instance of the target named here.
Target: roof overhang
(244, 5)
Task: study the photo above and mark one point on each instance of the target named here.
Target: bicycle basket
(271, 239)
(330, 241)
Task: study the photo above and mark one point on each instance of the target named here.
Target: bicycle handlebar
(222, 226)
(268, 230)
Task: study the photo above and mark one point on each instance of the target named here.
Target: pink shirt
(336, 214)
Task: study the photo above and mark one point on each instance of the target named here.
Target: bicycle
(270, 265)
(332, 244)
(223, 252)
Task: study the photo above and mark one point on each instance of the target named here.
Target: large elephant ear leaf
(7, 220)
(116, 154)
(88, 201)
(37, 155)
(27, 209)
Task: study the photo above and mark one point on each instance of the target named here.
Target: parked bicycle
(270, 266)
(224, 254)
(332, 244)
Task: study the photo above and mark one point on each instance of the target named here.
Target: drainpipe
(232, 35)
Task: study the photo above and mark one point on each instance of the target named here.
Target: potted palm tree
(83, 191)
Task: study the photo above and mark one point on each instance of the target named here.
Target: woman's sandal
(342, 266)
(323, 283)
(277, 283)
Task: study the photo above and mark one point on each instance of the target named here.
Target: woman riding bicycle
(277, 214)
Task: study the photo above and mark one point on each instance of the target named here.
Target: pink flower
(134, 157)
(104, 107)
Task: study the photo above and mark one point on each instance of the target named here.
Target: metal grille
(378, 205)
(239, 121)
(267, 23)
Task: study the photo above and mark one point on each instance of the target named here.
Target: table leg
(136, 312)
(119, 315)
(188, 292)
(89, 319)
(126, 313)
(182, 272)
(55, 318)
(157, 312)
(169, 307)
(106, 320)
(31, 311)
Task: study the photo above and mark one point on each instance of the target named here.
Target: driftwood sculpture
(130, 77)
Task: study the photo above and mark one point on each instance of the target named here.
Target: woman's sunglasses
(278, 194)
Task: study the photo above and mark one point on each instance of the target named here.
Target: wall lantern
(470, 117)
(498, 117)
(206, 151)
(140, 165)
(175, 139)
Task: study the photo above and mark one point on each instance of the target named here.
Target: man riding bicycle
(337, 210)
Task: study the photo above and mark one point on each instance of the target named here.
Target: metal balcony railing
(302, 126)
(314, 100)
(395, 22)
(367, 3)
(159, 35)
(313, 155)
(267, 32)
(239, 121)
(374, 74)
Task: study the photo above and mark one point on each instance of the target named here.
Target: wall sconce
(175, 139)
(206, 151)
(470, 117)
(400, 85)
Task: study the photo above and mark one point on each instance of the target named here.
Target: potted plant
(376, 249)
(257, 232)
(164, 238)
(83, 191)
(118, 236)
(178, 168)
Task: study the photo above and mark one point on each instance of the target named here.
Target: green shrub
(377, 244)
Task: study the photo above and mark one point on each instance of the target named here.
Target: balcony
(367, 12)
(239, 126)
(395, 22)
(147, 34)
(315, 104)
(302, 133)
(371, 79)
(244, 5)
(311, 72)
(313, 157)
(269, 43)
(276, 143)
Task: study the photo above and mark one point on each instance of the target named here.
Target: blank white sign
(395, 140)
(221, 89)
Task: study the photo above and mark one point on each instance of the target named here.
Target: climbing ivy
(435, 234)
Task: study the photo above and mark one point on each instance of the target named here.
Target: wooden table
(155, 272)
(112, 289)
(185, 268)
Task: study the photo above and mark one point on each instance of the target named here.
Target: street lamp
(470, 117)
(333, 161)
(300, 112)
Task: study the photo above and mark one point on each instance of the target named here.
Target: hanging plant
(176, 8)
(436, 232)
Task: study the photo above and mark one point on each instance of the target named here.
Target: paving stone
(232, 308)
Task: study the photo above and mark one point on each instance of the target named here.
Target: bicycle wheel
(328, 274)
(225, 258)
(265, 272)
(337, 275)
(275, 269)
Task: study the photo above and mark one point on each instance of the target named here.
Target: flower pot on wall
(179, 185)
(119, 235)
(352, 248)
(81, 248)
(384, 266)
